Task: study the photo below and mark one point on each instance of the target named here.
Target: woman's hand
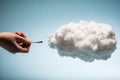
(14, 42)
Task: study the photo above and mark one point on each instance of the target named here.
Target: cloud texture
(84, 40)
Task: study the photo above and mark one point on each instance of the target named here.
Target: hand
(14, 42)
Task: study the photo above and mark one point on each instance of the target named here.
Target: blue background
(38, 19)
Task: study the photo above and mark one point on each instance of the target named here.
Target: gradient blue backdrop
(39, 18)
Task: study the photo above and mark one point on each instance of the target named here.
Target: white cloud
(84, 40)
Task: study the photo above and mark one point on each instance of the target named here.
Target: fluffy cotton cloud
(84, 40)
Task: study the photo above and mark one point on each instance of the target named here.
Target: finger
(20, 44)
(20, 34)
(17, 33)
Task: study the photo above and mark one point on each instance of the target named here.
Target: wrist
(2, 38)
